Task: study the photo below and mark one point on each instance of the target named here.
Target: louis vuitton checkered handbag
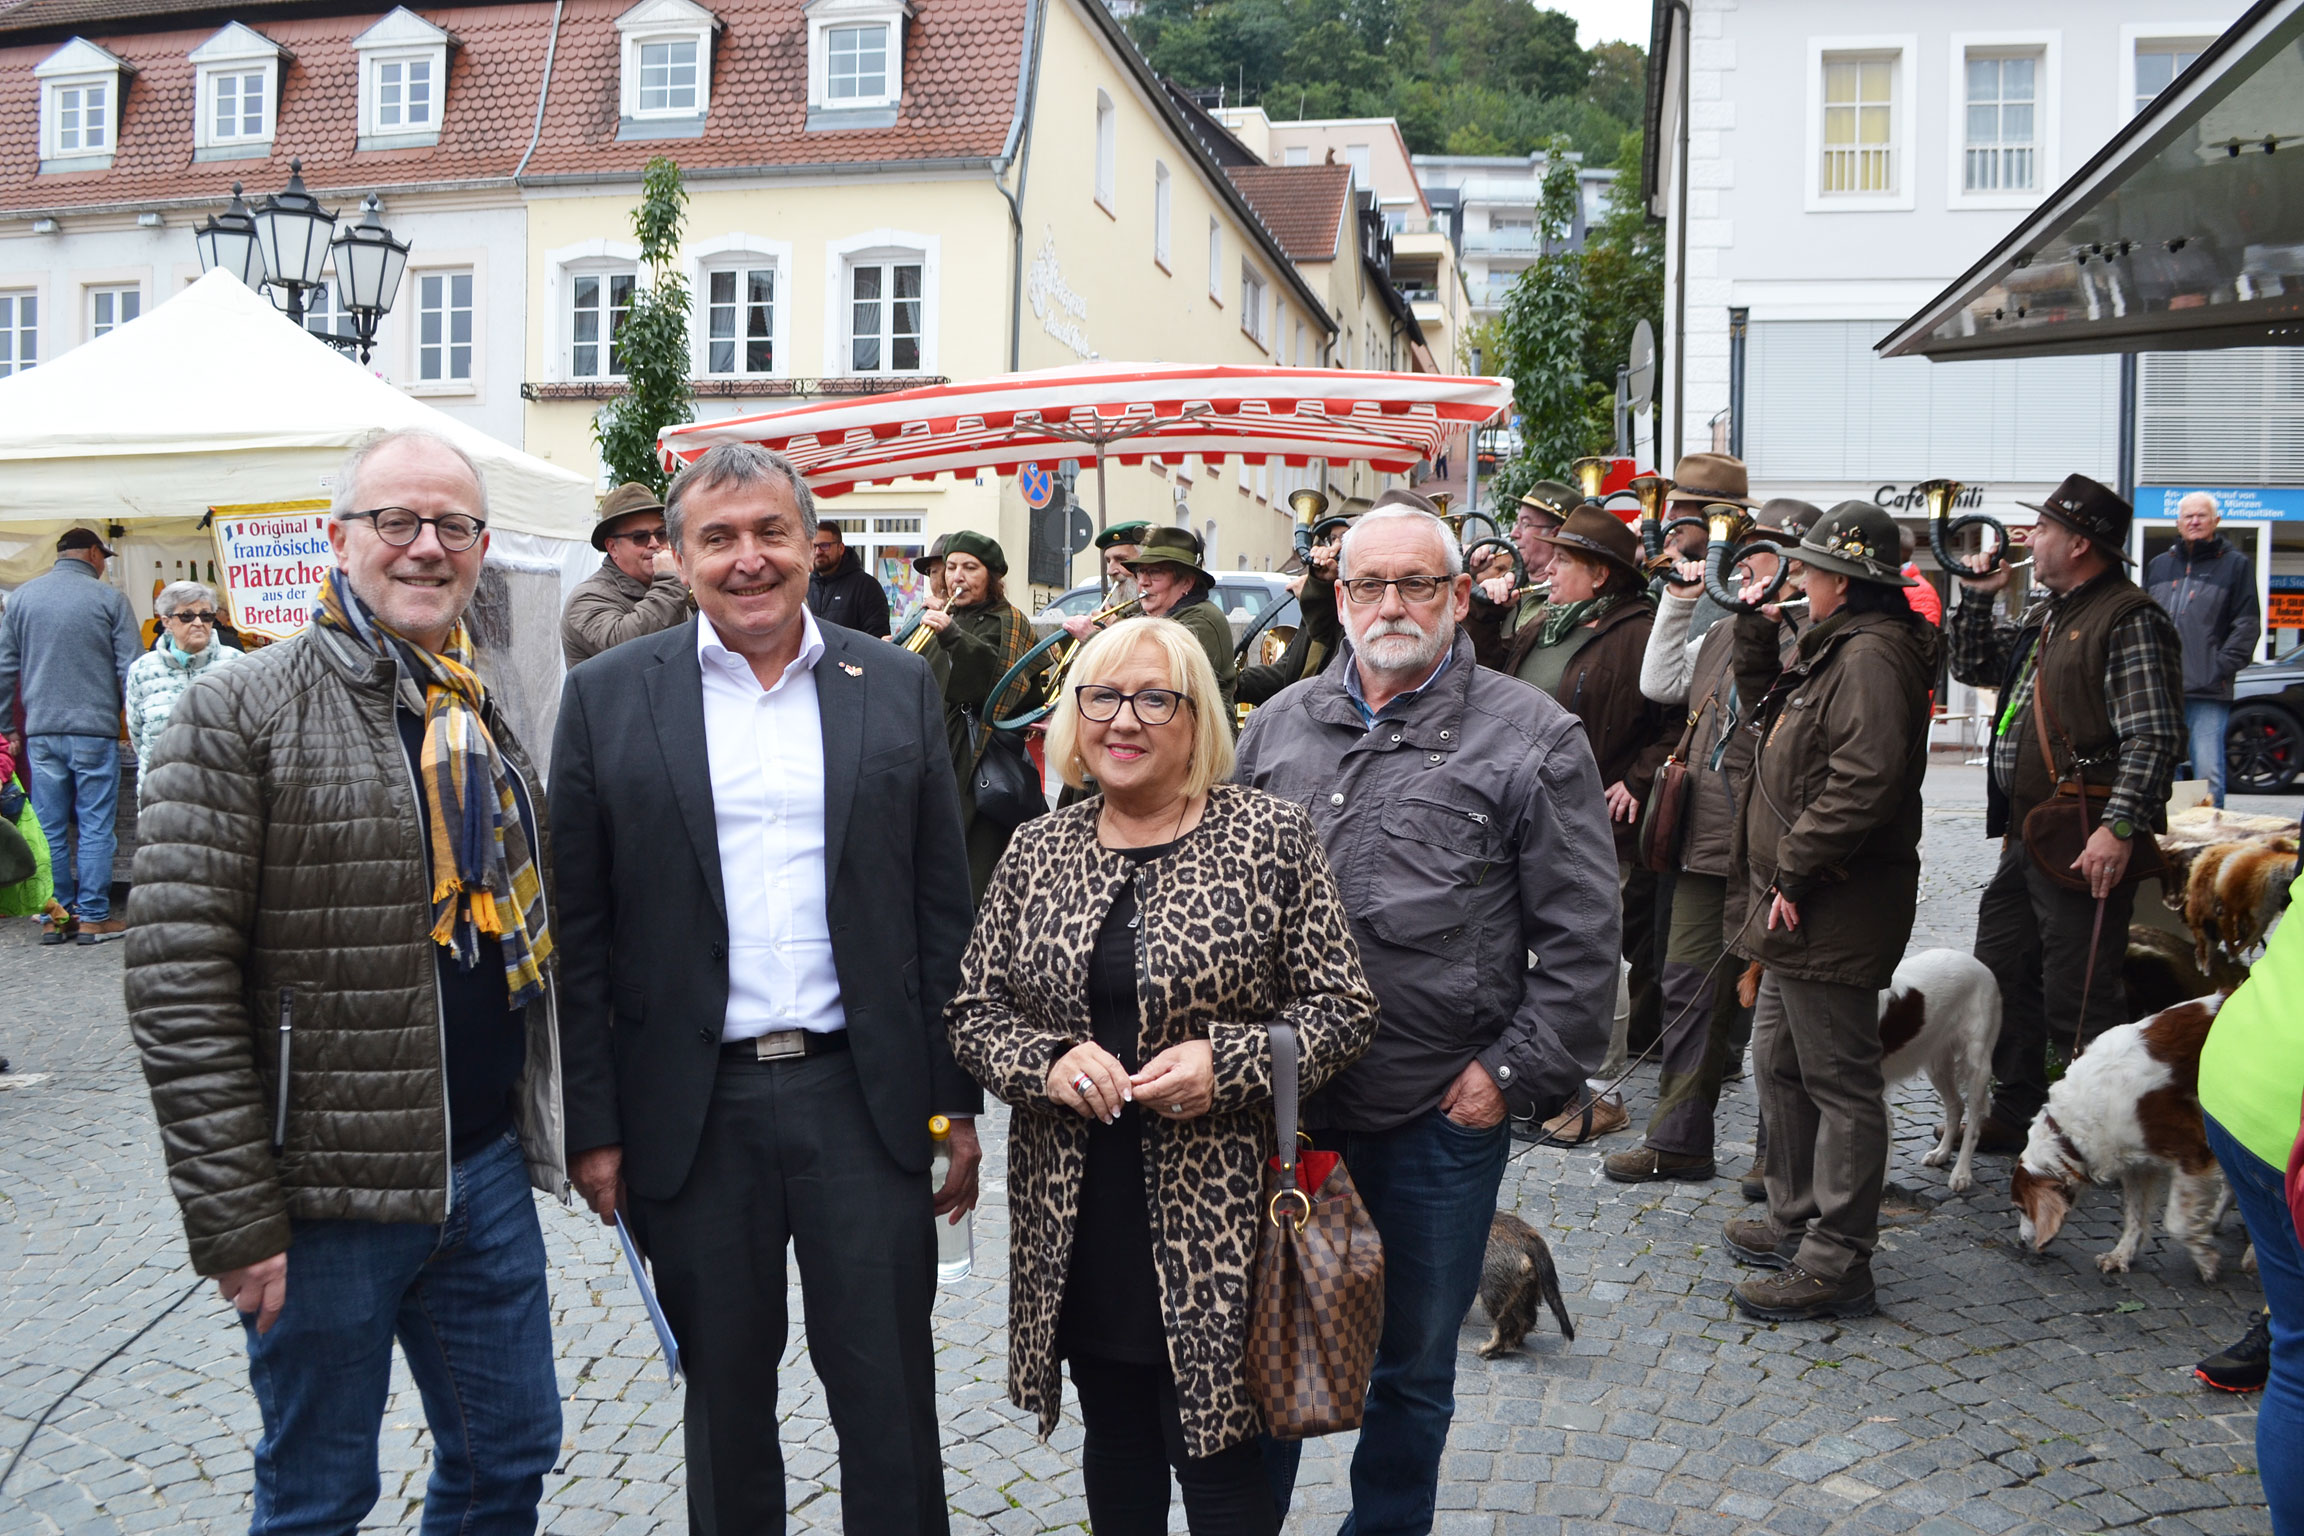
(1316, 1306)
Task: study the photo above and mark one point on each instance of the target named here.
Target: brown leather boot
(1796, 1296)
(1646, 1165)
(1759, 1243)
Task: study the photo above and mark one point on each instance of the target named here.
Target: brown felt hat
(1597, 534)
(2090, 509)
(623, 501)
(1710, 477)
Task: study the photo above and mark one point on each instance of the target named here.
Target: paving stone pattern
(1995, 1392)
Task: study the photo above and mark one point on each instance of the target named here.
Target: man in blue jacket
(2209, 589)
(66, 644)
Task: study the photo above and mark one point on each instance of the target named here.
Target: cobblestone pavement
(1995, 1391)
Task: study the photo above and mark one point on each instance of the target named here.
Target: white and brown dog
(1941, 1016)
(2128, 1109)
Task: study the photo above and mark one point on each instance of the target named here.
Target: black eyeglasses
(200, 617)
(1369, 590)
(399, 527)
(647, 536)
(1153, 706)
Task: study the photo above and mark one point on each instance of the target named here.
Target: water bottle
(955, 1244)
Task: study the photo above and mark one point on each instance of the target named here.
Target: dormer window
(238, 75)
(403, 79)
(855, 62)
(667, 89)
(79, 106)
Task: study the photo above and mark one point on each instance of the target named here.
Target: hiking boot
(60, 933)
(1796, 1296)
(1759, 1243)
(104, 932)
(2243, 1366)
(1588, 1119)
(1646, 1165)
(1754, 1184)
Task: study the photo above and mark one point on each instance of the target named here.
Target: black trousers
(2033, 936)
(1134, 1435)
(789, 1155)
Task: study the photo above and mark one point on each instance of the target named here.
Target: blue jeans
(77, 779)
(467, 1301)
(2257, 1190)
(2205, 721)
(1430, 1186)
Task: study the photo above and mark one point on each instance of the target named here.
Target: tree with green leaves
(648, 344)
(1540, 342)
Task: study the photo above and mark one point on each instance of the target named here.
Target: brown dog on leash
(1515, 1277)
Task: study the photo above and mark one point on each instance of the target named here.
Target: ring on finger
(1082, 1083)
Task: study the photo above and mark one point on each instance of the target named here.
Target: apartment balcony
(1500, 242)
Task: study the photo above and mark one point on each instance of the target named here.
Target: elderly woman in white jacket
(187, 649)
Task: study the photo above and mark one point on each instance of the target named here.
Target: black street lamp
(284, 244)
(295, 230)
(369, 263)
(228, 240)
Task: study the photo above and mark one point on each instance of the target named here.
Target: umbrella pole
(1102, 575)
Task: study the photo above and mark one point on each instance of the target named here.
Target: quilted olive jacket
(281, 891)
(1241, 925)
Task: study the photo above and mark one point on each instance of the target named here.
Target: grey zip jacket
(282, 906)
(1467, 831)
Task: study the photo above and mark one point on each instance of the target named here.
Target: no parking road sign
(1037, 484)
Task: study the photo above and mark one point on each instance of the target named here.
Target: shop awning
(2184, 233)
(1124, 411)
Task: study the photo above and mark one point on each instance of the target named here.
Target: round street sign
(1642, 386)
(1037, 484)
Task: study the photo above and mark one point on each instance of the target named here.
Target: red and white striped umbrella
(1127, 411)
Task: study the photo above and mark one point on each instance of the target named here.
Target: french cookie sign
(270, 561)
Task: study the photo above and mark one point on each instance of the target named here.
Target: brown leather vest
(2075, 645)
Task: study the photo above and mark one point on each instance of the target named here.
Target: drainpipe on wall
(2127, 475)
(1736, 319)
(543, 90)
(1680, 243)
(1017, 151)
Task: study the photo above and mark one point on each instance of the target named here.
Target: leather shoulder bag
(1316, 1303)
(1007, 787)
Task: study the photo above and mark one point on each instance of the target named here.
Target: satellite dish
(1640, 387)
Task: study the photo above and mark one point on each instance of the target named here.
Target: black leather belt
(785, 1045)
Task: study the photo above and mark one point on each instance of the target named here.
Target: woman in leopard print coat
(1241, 925)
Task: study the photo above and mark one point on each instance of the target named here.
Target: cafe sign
(1908, 499)
(270, 560)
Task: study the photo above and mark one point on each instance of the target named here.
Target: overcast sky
(1606, 21)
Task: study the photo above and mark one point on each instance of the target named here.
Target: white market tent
(216, 399)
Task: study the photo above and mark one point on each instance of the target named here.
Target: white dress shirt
(766, 750)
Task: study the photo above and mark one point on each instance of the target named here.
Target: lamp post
(284, 244)
(228, 240)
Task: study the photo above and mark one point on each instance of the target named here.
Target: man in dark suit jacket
(762, 901)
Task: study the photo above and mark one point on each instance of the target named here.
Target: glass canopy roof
(2186, 232)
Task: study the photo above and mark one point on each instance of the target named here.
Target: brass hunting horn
(1943, 528)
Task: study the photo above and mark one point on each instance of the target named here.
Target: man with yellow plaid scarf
(340, 976)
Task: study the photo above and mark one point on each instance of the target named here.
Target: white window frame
(2047, 47)
(881, 247)
(236, 50)
(828, 16)
(413, 287)
(2136, 35)
(654, 22)
(1163, 213)
(403, 38)
(737, 250)
(1107, 153)
(82, 66)
(1255, 310)
(92, 292)
(562, 267)
(1215, 261)
(13, 328)
(1905, 47)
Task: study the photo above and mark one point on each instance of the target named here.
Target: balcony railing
(1500, 241)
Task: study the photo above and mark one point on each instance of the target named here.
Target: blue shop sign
(2234, 503)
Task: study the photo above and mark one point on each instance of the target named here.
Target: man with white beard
(1462, 814)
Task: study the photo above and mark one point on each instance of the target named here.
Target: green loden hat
(1858, 540)
(1552, 499)
(983, 547)
(1122, 533)
(1171, 546)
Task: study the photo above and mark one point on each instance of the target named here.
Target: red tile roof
(960, 93)
(1303, 205)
